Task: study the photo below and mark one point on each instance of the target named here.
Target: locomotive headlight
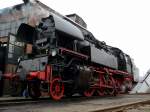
(53, 52)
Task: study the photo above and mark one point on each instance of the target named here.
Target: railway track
(76, 104)
(123, 107)
(22, 101)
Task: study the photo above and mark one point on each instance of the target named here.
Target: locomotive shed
(121, 103)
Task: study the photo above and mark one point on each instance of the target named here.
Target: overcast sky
(120, 23)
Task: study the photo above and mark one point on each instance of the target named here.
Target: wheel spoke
(100, 92)
(111, 91)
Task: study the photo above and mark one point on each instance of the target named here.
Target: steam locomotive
(63, 59)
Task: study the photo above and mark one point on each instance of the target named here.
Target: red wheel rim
(56, 89)
(101, 91)
(111, 82)
(118, 87)
(89, 92)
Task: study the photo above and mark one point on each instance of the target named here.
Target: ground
(81, 105)
(142, 108)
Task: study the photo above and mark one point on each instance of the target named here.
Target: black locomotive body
(66, 59)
